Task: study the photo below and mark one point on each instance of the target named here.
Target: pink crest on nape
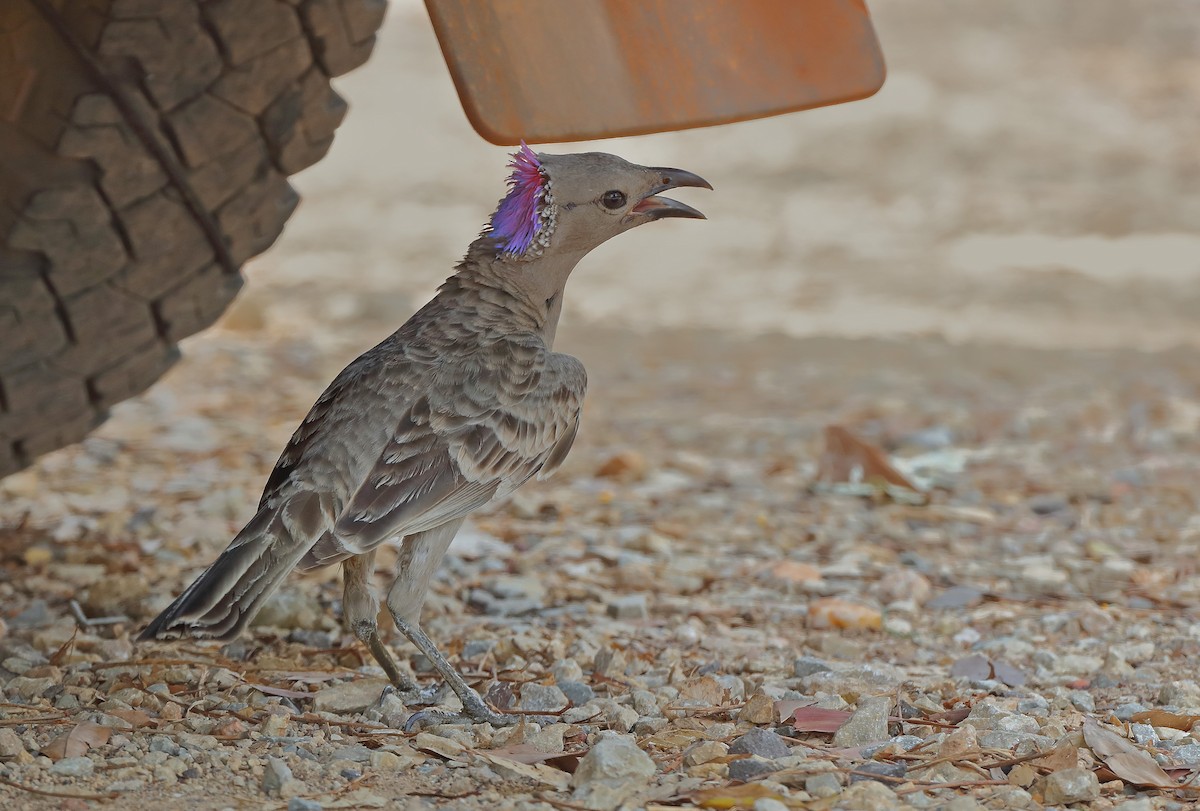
(516, 220)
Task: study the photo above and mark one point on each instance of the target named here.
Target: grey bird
(460, 406)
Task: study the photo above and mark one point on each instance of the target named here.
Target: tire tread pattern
(145, 147)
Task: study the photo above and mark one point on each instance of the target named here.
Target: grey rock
(517, 587)
(1126, 711)
(303, 804)
(628, 607)
(275, 774)
(355, 753)
(291, 608)
(477, 648)
(566, 670)
(161, 743)
(125, 785)
(1188, 754)
(877, 770)
(1023, 742)
(312, 638)
(1082, 701)
(761, 742)
(868, 724)
(10, 744)
(901, 742)
(1036, 706)
(645, 703)
(27, 689)
(542, 698)
(1069, 786)
(1143, 734)
(750, 768)
(73, 767)
(578, 692)
(823, 785)
(613, 770)
(866, 679)
(352, 696)
(808, 665)
(1140, 804)
(769, 804)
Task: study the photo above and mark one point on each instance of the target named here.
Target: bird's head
(569, 204)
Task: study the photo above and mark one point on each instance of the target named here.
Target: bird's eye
(613, 199)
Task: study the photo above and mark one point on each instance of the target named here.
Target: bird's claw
(428, 718)
(421, 696)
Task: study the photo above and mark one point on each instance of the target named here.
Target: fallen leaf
(527, 753)
(742, 796)
(976, 667)
(1064, 756)
(1140, 769)
(955, 716)
(1007, 674)
(1163, 718)
(848, 458)
(816, 719)
(538, 772)
(77, 741)
(1105, 742)
(282, 692)
(1023, 775)
(706, 689)
(786, 707)
(1125, 760)
(135, 717)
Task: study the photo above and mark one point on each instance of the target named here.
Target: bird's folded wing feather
(451, 454)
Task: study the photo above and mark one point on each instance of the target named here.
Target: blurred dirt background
(990, 270)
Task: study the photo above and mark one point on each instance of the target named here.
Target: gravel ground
(728, 597)
(711, 590)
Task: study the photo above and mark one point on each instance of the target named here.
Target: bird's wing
(467, 439)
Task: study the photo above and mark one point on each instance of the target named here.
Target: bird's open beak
(657, 208)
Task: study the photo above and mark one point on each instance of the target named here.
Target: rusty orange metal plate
(571, 70)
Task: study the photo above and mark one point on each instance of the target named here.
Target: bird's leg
(419, 558)
(360, 613)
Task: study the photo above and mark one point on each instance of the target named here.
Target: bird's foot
(474, 712)
(427, 718)
(419, 696)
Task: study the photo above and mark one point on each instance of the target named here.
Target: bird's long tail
(223, 600)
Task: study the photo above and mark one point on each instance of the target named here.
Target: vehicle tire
(145, 147)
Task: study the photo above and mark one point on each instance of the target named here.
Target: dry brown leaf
(525, 753)
(1061, 757)
(538, 772)
(282, 692)
(742, 796)
(815, 719)
(77, 741)
(848, 458)
(135, 717)
(1125, 760)
(1140, 769)
(706, 689)
(1105, 742)
(1023, 775)
(1162, 718)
